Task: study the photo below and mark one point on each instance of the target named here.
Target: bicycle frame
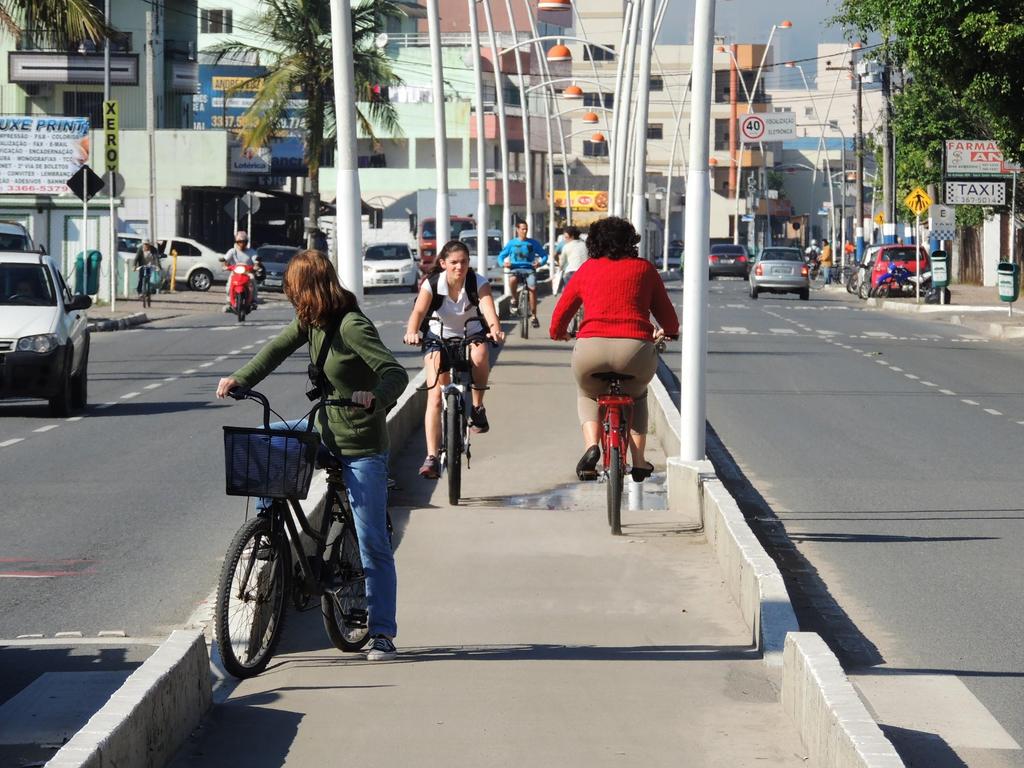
(460, 371)
(615, 412)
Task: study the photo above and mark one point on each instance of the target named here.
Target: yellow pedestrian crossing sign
(880, 218)
(918, 201)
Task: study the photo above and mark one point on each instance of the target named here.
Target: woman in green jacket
(358, 367)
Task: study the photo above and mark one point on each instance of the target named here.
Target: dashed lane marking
(948, 392)
(898, 370)
(783, 331)
(929, 384)
(102, 406)
(248, 346)
(74, 418)
(171, 378)
(911, 376)
(155, 385)
(993, 411)
(189, 372)
(734, 329)
(235, 352)
(206, 365)
(47, 428)
(969, 402)
(130, 395)
(12, 441)
(220, 358)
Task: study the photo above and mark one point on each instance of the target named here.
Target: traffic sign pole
(917, 254)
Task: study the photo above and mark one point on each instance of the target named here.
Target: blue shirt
(522, 253)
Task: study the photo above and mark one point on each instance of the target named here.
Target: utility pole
(151, 120)
(110, 174)
(888, 160)
(639, 207)
(482, 219)
(859, 145)
(442, 221)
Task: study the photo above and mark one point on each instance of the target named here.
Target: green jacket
(358, 361)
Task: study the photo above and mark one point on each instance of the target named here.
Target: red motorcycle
(241, 290)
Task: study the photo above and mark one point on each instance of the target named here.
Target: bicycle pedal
(586, 475)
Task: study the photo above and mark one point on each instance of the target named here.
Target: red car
(903, 255)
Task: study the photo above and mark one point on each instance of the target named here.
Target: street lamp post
(692, 398)
(506, 210)
(348, 242)
(481, 143)
(442, 218)
(638, 214)
(525, 117)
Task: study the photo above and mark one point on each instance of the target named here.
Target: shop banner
(583, 199)
(39, 154)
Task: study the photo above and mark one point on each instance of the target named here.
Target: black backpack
(437, 299)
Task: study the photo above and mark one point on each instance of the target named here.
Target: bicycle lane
(527, 632)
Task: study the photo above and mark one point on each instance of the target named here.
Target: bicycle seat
(610, 376)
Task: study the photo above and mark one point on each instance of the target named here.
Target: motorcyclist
(241, 253)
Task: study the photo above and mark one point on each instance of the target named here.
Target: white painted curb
(151, 715)
(835, 726)
(833, 722)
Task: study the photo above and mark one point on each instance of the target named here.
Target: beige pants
(638, 359)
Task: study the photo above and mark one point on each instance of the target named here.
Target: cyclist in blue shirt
(523, 254)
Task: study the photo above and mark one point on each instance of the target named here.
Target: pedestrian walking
(825, 260)
(573, 254)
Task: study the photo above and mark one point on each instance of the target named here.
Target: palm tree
(57, 22)
(295, 52)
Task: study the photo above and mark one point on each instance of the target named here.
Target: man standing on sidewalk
(825, 261)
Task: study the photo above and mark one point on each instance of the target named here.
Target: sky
(750, 21)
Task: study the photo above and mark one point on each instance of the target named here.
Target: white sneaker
(381, 649)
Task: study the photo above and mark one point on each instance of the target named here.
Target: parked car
(197, 265)
(274, 259)
(14, 237)
(727, 261)
(494, 244)
(44, 333)
(780, 270)
(675, 259)
(388, 264)
(902, 255)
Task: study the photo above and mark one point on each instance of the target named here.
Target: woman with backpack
(453, 301)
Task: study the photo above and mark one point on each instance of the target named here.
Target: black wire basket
(276, 464)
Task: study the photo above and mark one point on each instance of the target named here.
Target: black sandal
(640, 474)
(586, 469)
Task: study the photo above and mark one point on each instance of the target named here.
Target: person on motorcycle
(241, 253)
(523, 254)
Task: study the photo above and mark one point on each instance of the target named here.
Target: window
(721, 135)
(591, 99)
(657, 84)
(655, 131)
(593, 53)
(85, 104)
(216, 21)
(595, 148)
(186, 249)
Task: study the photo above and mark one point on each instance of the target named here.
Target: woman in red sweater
(619, 292)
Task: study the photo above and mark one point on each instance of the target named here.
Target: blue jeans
(366, 479)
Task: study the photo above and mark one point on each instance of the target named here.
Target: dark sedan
(274, 259)
(727, 261)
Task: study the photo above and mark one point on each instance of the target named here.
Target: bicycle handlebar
(244, 393)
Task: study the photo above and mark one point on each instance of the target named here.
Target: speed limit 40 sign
(767, 126)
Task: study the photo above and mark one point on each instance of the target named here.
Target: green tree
(53, 22)
(294, 49)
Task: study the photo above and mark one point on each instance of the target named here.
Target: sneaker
(535, 322)
(381, 649)
(478, 419)
(514, 306)
(429, 470)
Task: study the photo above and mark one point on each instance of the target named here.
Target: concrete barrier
(151, 715)
(833, 723)
(835, 726)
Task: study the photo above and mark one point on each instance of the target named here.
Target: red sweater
(618, 299)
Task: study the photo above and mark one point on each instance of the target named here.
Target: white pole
(643, 102)
(624, 97)
(112, 220)
(84, 237)
(698, 212)
(348, 241)
(1013, 221)
(615, 146)
(443, 222)
(525, 110)
(151, 122)
(481, 143)
(506, 204)
(668, 179)
(917, 258)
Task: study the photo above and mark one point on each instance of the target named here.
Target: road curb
(120, 324)
(835, 726)
(833, 722)
(150, 716)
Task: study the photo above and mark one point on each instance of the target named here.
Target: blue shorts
(531, 277)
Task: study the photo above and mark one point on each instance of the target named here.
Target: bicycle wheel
(615, 491)
(251, 598)
(524, 314)
(344, 607)
(453, 433)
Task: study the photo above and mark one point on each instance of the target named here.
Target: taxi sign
(918, 201)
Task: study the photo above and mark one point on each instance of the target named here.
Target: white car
(389, 264)
(196, 265)
(44, 333)
(494, 245)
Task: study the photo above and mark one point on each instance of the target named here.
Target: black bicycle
(456, 402)
(523, 298)
(146, 285)
(267, 561)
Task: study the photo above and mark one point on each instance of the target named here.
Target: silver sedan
(780, 270)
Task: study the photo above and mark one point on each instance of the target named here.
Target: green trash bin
(88, 283)
(940, 269)
(1008, 281)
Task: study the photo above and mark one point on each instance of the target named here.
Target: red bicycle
(615, 412)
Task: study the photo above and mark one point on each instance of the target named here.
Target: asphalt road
(116, 519)
(881, 456)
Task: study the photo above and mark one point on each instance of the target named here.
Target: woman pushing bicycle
(357, 367)
(454, 301)
(619, 291)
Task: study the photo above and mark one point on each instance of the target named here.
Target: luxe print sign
(39, 154)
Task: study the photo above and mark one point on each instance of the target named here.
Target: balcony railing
(454, 39)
